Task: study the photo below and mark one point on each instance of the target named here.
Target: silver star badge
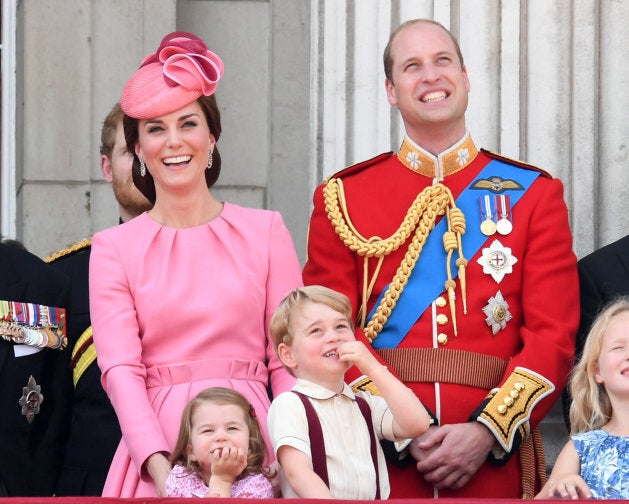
(497, 260)
(31, 399)
(497, 312)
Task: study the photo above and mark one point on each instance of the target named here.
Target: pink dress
(175, 311)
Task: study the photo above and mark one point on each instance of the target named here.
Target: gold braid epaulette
(69, 250)
(420, 218)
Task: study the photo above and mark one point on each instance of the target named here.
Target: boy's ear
(285, 355)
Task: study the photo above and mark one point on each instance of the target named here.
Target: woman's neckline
(213, 217)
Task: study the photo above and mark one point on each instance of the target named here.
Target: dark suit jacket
(603, 277)
(31, 453)
(94, 429)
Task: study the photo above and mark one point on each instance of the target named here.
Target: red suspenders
(317, 445)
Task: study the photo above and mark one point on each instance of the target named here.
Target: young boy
(323, 433)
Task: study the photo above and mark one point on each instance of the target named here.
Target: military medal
(497, 313)
(488, 226)
(497, 260)
(31, 399)
(504, 225)
(32, 324)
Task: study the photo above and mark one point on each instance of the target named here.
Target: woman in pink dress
(181, 295)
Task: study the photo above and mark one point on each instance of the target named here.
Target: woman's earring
(142, 167)
(210, 161)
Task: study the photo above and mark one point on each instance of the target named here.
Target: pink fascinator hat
(180, 71)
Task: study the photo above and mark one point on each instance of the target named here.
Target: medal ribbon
(426, 281)
(33, 324)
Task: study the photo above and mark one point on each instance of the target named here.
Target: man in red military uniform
(459, 265)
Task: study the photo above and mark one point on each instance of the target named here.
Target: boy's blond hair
(280, 325)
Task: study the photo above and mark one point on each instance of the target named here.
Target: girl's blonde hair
(222, 396)
(591, 407)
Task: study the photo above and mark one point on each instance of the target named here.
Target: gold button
(440, 301)
(502, 409)
(442, 319)
(514, 394)
(519, 386)
(442, 338)
(508, 401)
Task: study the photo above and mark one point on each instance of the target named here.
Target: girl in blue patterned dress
(595, 462)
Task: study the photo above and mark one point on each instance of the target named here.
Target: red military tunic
(529, 356)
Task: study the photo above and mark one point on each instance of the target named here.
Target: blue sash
(426, 281)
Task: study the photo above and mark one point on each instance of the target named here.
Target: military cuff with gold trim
(364, 383)
(506, 411)
(396, 452)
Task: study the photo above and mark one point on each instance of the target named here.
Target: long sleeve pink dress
(175, 311)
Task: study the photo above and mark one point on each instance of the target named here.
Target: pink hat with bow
(180, 71)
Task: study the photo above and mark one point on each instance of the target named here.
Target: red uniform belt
(444, 365)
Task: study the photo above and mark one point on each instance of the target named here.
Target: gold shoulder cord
(420, 218)
(72, 248)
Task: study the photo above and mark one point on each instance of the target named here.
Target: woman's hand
(274, 468)
(158, 467)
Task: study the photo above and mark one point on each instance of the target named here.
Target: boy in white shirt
(323, 434)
